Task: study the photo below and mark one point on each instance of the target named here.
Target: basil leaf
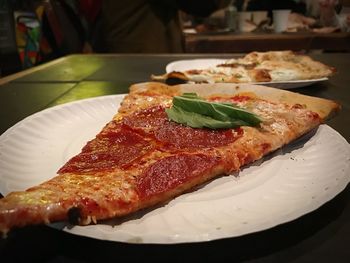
(219, 111)
(196, 120)
(192, 110)
(191, 95)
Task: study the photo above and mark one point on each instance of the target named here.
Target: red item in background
(90, 9)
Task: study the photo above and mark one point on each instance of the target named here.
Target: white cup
(243, 17)
(280, 20)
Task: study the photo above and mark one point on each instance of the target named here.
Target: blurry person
(149, 26)
(328, 13)
(298, 9)
(332, 15)
(269, 5)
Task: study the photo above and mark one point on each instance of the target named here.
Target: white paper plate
(182, 65)
(295, 180)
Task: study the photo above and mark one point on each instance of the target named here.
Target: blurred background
(33, 32)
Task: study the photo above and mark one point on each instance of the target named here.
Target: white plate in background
(182, 65)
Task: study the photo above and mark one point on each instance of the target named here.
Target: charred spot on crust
(74, 215)
(175, 81)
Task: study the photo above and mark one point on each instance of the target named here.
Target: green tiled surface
(89, 89)
(18, 101)
(72, 69)
(115, 68)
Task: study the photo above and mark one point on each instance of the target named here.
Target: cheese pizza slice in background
(255, 67)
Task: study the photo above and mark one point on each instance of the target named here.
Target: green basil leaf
(219, 111)
(196, 120)
(192, 110)
(191, 95)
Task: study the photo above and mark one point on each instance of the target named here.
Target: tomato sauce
(169, 172)
(119, 145)
(109, 150)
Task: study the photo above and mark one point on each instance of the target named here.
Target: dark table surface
(320, 236)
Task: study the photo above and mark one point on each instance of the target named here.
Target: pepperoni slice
(176, 136)
(170, 172)
(109, 150)
(183, 137)
(121, 144)
(148, 119)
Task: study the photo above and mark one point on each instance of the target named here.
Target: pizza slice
(272, 66)
(143, 157)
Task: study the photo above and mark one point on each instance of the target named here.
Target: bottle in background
(231, 17)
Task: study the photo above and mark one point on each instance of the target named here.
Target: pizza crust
(323, 107)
